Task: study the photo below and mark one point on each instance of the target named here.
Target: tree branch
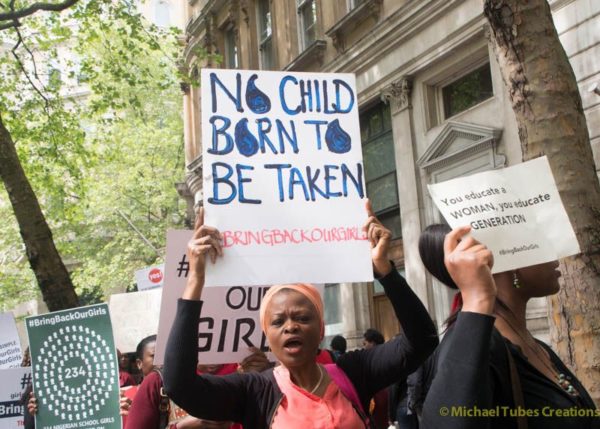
(13, 24)
(51, 7)
(22, 67)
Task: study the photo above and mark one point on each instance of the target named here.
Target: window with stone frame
(265, 34)
(307, 22)
(467, 91)
(380, 165)
(231, 49)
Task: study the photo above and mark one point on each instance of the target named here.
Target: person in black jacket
(294, 328)
(474, 386)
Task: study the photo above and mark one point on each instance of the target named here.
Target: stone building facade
(432, 107)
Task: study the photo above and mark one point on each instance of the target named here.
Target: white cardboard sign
(230, 320)
(150, 277)
(283, 177)
(516, 211)
(134, 316)
(13, 382)
(10, 345)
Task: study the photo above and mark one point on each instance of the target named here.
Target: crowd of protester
(487, 360)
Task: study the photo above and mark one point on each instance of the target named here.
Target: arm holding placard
(373, 369)
(206, 242)
(206, 396)
(465, 377)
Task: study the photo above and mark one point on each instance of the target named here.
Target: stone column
(398, 95)
(354, 301)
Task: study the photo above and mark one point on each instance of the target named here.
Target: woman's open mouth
(293, 345)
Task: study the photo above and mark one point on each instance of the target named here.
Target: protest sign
(14, 382)
(10, 345)
(230, 321)
(150, 277)
(134, 316)
(516, 211)
(75, 369)
(283, 177)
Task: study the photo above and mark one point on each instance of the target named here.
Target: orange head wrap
(307, 290)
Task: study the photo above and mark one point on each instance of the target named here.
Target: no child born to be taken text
(272, 136)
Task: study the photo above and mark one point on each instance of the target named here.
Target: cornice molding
(402, 25)
(483, 139)
(339, 31)
(316, 50)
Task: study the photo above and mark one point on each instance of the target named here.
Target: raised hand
(32, 406)
(469, 263)
(205, 241)
(380, 238)
(124, 403)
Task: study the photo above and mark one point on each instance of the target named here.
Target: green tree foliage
(91, 99)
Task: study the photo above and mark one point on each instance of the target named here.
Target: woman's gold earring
(516, 283)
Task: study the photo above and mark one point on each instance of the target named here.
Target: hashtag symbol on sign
(25, 380)
(184, 267)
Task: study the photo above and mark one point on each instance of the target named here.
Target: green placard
(75, 369)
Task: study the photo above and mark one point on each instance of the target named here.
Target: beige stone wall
(428, 44)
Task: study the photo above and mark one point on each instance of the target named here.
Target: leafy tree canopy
(91, 98)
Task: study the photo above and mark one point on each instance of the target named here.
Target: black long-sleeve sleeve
(205, 396)
(414, 390)
(463, 380)
(372, 370)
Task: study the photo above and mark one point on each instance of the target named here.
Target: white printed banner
(13, 382)
(283, 177)
(229, 323)
(10, 345)
(150, 277)
(516, 211)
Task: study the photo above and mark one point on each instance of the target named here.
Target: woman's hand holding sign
(206, 241)
(379, 237)
(470, 265)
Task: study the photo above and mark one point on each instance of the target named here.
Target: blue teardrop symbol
(244, 140)
(256, 100)
(338, 140)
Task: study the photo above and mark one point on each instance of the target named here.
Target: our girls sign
(230, 319)
(14, 383)
(283, 177)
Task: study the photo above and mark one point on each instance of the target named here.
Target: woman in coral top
(299, 393)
